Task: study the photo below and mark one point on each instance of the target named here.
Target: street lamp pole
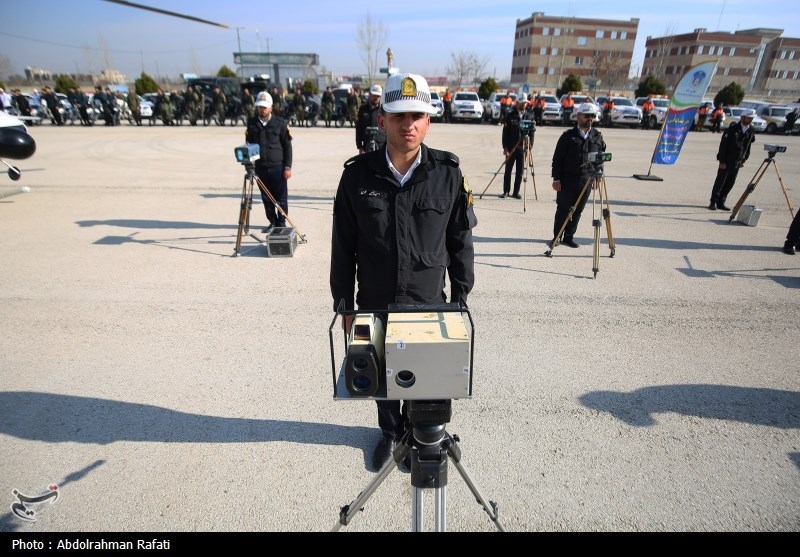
(239, 41)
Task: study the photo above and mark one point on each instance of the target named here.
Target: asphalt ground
(164, 385)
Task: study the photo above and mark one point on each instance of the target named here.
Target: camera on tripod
(526, 128)
(370, 133)
(597, 157)
(247, 153)
(406, 353)
(772, 148)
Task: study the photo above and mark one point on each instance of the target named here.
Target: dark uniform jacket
(734, 146)
(397, 242)
(274, 141)
(368, 117)
(570, 155)
(512, 132)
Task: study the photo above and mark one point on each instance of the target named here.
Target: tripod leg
(347, 512)
(607, 218)
(280, 209)
(498, 170)
(243, 218)
(533, 174)
(786, 195)
(596, 226)
(454, 451)
(750, 187)
(557, 239)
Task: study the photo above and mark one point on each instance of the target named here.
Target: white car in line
(467, 106)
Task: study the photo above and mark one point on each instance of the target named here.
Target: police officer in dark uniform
(513, 146)
(734, 150)
(274, 166)
(402, 216)
(368, 115)
(571, 171)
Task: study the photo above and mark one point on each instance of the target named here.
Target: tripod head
(773, 150)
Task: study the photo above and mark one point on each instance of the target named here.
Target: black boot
(788, 248)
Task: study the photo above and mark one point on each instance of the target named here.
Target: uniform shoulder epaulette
(444, 156)
(356, 158)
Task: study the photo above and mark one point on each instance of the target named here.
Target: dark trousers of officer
(515, 159)
(391, 418)
(566, 114)
(272, 178)
(793, 237)
(537, 116)
(726, 177)
(570, 188)
(701, 122)
(716, 125)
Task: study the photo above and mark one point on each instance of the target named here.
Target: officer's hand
(741, 164)
(361, 150)
(287, 173)
(506, 154)
(347, 323)
(722, 166)
(557, 185)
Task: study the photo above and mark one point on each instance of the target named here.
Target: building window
(579, 60)
(785, 74)
(555, 51)
(543, 50)
(733, 51)
(725, 71)
(783, 55)
(624, 35)
(613, 34)
(752, 51)
(581, 41)
(551, 71)
(545, 30)
(791, 55)
(700, 49)
(598, 34)
(540, 70)
(795, 75)
(557, 31)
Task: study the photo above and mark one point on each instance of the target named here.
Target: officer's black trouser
(391, 419)
(570, 189)
(277, 185)
(726, 177)
(793, 237)
(515, 159)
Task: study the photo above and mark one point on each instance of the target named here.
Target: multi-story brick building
(547, 49)
(762, 62)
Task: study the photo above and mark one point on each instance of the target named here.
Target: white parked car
(491, 107)
(552, 109)
(660, 109)
(625, 112)
(733, 114)
(579, 99)
(436, 101)
(467, 106)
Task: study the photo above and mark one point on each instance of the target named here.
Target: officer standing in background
(195, 103)
(402, 219)
(248, 104)
(299, 105)
(133, 105)
(277, 101)
(734, 150)
(513, 148)
(274, 165)
(571, 170)
(368, 118)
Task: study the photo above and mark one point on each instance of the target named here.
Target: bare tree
(5, 66)
(664, 46)
(371, 36)
(610, 68)
(466, 67)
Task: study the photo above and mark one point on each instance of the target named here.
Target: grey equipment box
(281, 242)
(749, 215)
(427, 356)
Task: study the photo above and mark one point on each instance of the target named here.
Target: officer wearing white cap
(514, 146)
(274, 165)
(571, 171)
(734, 150)
(402, 217)
(369, 136)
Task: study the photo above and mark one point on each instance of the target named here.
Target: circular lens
(361, 383)
(360, 364)
(405, 378)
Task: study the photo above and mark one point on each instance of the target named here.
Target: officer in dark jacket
(734, 150)
(514, 146)
(373, 138)
(274, 166)
(397, 228)
(571, 170)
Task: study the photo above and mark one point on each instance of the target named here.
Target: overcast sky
(68, 36)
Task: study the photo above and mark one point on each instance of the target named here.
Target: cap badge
(408, 88)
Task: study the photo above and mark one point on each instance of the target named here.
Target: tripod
(600, 206)
(754, 182)
(527, 166)
(430, 447)
(246, 206)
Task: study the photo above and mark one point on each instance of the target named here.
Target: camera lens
(361, 383)
(405, 378)
(360, 364)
